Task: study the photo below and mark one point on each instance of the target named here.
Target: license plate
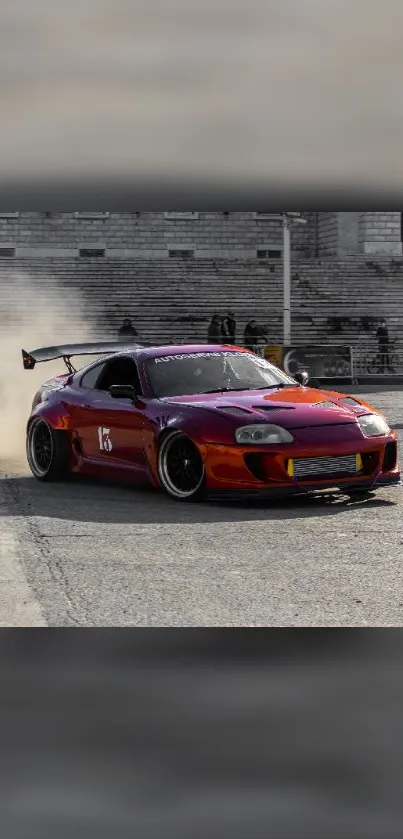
(310, 467)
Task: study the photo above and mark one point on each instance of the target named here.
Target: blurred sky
(299, 90)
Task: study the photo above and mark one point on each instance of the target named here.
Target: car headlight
(373, 425)
(262, 435)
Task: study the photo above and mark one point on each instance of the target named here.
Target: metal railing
(369, 360)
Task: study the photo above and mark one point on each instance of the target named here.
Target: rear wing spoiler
(68, 351)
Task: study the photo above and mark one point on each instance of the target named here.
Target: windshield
(209, 372)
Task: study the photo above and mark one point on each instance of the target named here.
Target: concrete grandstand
(170, 272)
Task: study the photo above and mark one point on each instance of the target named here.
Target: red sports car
(198, 420)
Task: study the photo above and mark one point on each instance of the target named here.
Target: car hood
(291, 407)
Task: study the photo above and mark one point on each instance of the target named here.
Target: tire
(180, 468)
(48, 452)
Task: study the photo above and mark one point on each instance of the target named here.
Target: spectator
(214, 334)
(252, 334)
(383, 345)
(127, 330)
(365, 324)
(229, 324)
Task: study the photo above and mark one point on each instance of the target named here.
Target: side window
(119, 371)
(89, 380)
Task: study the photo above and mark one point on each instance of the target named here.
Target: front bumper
(266, 470)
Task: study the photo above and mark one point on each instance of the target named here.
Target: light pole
(288, 219)
(286, 282)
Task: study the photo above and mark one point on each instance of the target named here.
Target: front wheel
(181, 468)
(48, 451)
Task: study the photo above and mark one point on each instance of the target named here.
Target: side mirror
(123, 392)
(302, 378)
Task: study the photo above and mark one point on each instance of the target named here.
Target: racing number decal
(105, 442)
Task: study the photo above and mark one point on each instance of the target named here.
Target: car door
(111, 431)
(84, 411)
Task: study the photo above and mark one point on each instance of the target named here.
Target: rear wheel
(48, 452)
(180, 468)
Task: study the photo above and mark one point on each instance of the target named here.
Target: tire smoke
(32, 315)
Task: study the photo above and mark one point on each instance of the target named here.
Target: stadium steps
(158, 294)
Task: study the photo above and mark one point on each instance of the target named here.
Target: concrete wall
(217, 235)
(327, 234)
(348, 233)
(212, 235)
(380, 233)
